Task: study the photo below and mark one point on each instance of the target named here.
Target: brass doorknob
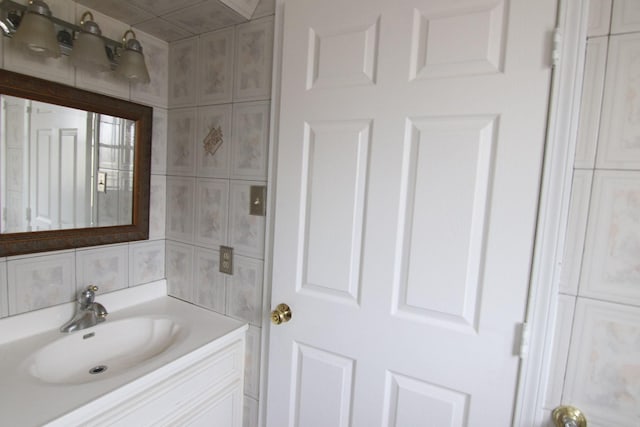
(281, 314)
(568, 416)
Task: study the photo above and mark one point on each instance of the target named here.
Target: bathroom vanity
(155, 361)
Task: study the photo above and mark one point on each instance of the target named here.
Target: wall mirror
(74, 167)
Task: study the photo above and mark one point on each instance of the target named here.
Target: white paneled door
(411, 136)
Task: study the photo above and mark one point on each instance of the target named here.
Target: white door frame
(564, 109)
(552, 216)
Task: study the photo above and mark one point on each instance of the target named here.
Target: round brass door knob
(568, 416)
(281, 314)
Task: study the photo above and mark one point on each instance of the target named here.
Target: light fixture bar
(8, 29)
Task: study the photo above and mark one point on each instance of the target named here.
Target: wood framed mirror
(38, 155)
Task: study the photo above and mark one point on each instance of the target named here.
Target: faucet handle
(87, 296)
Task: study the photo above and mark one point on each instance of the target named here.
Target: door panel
(410, 149)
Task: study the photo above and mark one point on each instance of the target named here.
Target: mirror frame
(20, 85)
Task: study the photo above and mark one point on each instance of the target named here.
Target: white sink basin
(102, 351)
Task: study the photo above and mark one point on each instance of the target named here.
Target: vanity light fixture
(34, 27)
(132, 65)
(36, 31)
(89, 51)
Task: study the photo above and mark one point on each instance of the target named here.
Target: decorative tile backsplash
(208, 281)
(146, 262)
(41, 281)
(179, 270)
(106, 267)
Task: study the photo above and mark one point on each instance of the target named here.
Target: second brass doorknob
(281, 314)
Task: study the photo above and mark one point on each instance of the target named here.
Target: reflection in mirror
(63, 167)
(75, 167)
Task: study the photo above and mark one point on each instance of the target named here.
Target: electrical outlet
(226, 260)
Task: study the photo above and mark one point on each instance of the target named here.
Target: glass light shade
(89, 53)
(132, 66)
(36, 33)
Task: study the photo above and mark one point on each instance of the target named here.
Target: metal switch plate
(226, 260)
(257, 200)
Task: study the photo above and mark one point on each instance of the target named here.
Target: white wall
(30, 282)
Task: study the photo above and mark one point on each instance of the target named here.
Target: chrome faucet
(88, 312)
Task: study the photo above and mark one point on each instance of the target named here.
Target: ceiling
(172, 20)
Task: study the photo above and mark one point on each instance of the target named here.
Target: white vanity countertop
(27, 401)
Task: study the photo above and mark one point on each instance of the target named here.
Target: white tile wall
(576, 229)
(252, 365)
(560, 352)
(146, 262)
(106, 267)
(625, 17)
(599, 17)
(181, 142)
(41, 281)
(591, 102)
(603, 374)
(4, 297)
(611, 267)
(208, 281)
(157, 206)
(254, 53)
(159, 138)
(230, 91)
(215, 68)
(183, 63)
(212, 201)
(619, 139)
(179, 269)
(250, 415)
(244, 290)
(180, 208)
(250, 142)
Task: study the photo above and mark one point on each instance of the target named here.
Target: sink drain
(97, 369)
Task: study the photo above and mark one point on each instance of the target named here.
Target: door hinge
(556, 51)
(525, 334)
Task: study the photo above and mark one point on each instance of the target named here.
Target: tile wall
(220, 84)
(35, 281)
(597, 343)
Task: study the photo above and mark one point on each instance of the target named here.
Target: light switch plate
(226, 260)
(102, 182)
(257, 200)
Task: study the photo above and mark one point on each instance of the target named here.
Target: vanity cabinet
(204, 388)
